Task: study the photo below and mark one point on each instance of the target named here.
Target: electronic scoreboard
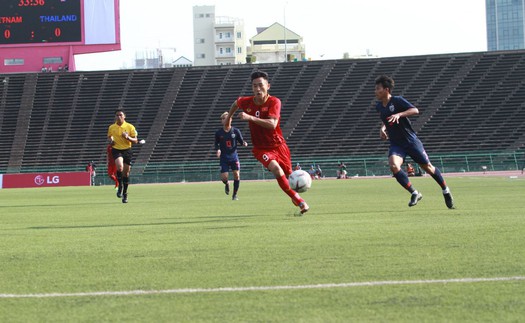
(40, 21)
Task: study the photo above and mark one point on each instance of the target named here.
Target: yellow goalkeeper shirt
(116, 132)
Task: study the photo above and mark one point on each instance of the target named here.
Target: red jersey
(263, 138)
(112, 167)
(111, 161)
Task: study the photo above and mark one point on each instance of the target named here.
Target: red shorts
(280, 154)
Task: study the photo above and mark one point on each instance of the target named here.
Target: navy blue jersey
(227, 142)
(398, 133)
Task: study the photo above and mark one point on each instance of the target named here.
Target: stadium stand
(468, 102)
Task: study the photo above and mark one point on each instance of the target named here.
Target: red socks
(285, 186)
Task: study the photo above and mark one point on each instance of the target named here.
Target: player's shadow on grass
(211, 220)
(58, 205)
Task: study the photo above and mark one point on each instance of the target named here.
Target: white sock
(446, 191)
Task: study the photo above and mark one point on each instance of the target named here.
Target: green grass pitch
(180, 243)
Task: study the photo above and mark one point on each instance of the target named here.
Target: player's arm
(412, 111)
(234, 107)
(382, 132)
(270, 123)
(130, 137)
(110, 137)
(240, 138)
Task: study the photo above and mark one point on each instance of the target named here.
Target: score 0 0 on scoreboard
(40, 21)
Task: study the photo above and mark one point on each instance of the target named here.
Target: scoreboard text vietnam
(40, 21)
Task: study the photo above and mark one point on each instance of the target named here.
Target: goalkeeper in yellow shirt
(122, 136)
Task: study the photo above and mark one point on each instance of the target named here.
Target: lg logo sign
(41, 180)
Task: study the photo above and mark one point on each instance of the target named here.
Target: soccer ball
(300, 181)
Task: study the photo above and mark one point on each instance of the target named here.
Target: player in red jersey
(263, 113)
(112, 168)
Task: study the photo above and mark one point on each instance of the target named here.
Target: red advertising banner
(45, 180)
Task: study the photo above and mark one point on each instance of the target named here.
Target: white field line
(265, 288)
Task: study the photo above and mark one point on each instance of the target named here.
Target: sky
(330, 28)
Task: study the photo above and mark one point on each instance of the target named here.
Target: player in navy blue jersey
(226, 139)
(394, 111)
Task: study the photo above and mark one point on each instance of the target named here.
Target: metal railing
(356, 166)
(253, 170)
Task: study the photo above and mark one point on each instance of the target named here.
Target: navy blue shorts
(414, 150)
(226, 165)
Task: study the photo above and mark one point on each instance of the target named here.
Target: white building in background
(182, 62)
(148, 58)
(217, 40)
(276, 44)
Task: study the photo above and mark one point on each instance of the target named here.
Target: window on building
(53, 60)
(13, 61)
(239, 50)
(228, 50)
(289, 41)
(264, 42)
(239, 34)
(201, 55)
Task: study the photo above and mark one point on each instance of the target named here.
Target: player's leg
(283, 169)
(119, 163)
(419, 155)
(114, 179)
(282, 180)
(285, 161)
(269, 159)
(436, 175)
(112, 172)
(224, 179)
(236, 170)
(112, 168)
(125, 182)
(125, 174)
(395, 161)
(236, 183)
(225, 168)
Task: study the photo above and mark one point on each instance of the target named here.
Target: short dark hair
(120, 110)
(386, 82)
(257, 74)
